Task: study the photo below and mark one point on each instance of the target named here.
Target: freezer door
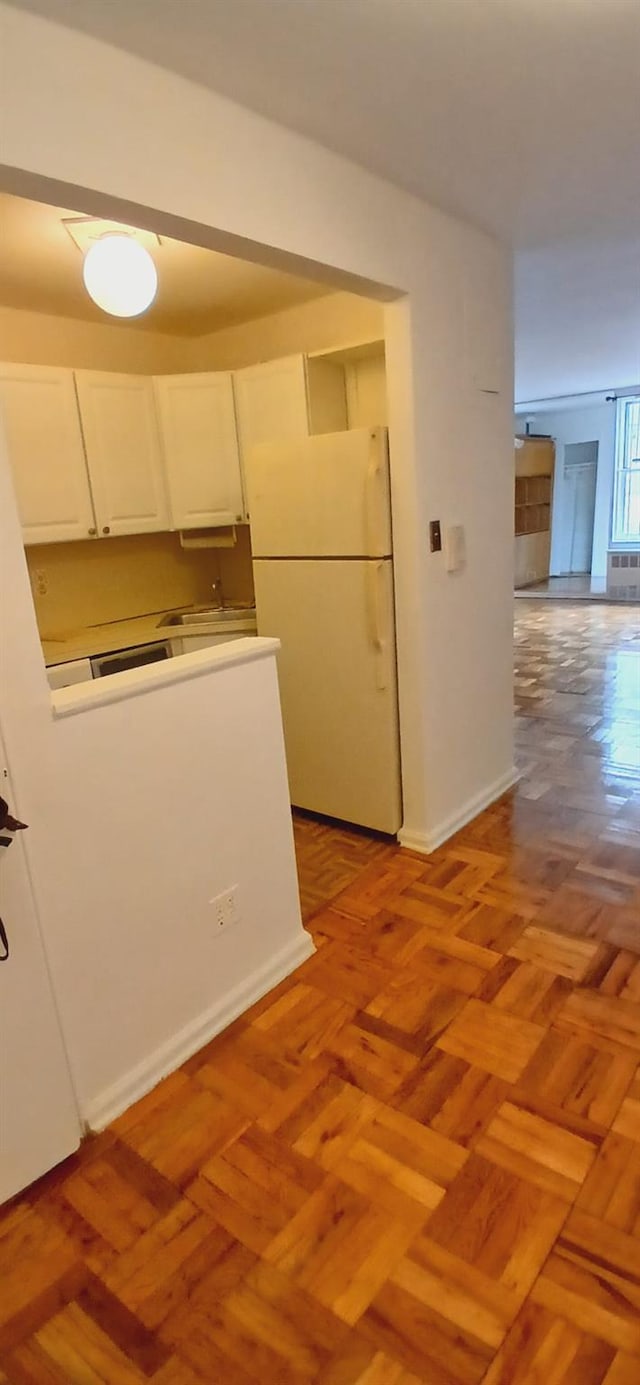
(321, 497)
(337, 670)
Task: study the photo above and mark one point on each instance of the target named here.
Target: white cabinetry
(271, 402)
(199, 439)
(289, 398)
(123, 452)
(44, 439)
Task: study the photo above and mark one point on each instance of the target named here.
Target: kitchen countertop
(123, 634)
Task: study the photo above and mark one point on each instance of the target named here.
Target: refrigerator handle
(373, 501)
(377, 620)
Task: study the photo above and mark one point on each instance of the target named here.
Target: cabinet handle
(106, 529)
(92, 531)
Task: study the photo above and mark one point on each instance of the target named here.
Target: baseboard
(103, 1109)
(424, 843)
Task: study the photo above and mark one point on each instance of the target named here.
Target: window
(625, 526)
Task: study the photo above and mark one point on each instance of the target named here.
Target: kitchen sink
(209, 616)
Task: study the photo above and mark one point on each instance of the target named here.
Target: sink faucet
(216, 587)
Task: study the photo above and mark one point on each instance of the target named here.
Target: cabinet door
(122, 443)
(271, 402)
(200, 444)
(46, 452)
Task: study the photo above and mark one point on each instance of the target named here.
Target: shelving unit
(532, 505)
(534, 464)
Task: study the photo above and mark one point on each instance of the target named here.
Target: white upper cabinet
(119, 424)
(290, 398)
(46, 453)
(202, 461)
(271, 402)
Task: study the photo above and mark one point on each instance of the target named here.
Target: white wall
(338, 319)
(594, 424)
(44, 339)
(168, 153)
(577, 317)
(91, 127)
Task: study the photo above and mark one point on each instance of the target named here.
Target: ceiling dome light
(120, 276)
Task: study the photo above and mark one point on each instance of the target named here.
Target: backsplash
(81, 584)
(235, 569)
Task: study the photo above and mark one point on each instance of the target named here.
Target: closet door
(42, 425)
(119, 423)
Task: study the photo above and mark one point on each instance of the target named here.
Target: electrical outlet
(225, 909)
(41, 583)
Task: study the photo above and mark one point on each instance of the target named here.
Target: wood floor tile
(564, 956)
(606, 1021)
(422, 1010)
(340, 1248)
(623, 1371)
(452, 1096)
(39, 1269)
(81, 1350)
(187, 1129)
(268, 1327)
(550, 1350)
(401, 1165)
(423, 1340)
(627, 1121)
(376, 887)
(343, 973)
(592, 1279)
(381, 1371)
(528, 992)
(304, 1020)
(417, 1160)
(255, 1187)
(611, 1192)
(579, 1077)
(492, 1039)
(457, 1291)
(370, 1062)
(498, 1222)
(538, 1150)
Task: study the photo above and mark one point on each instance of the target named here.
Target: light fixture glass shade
(120, 276)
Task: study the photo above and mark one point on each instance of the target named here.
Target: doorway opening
(577, 507)
(246, 405)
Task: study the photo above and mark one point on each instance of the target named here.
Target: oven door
(121, 659)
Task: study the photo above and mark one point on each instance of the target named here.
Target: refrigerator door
(321, 497)
(337, 671)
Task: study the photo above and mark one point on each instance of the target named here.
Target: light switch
(455, 554)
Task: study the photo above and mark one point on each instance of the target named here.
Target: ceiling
(577, 311)
(198, 290)
(521, 115)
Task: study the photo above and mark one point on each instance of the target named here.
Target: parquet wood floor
(417, 1161)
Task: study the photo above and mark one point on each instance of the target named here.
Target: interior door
(121, 437)
(39, 1123)
(338, 690)
(582, 505)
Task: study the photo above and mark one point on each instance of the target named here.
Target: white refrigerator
(323, 570)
